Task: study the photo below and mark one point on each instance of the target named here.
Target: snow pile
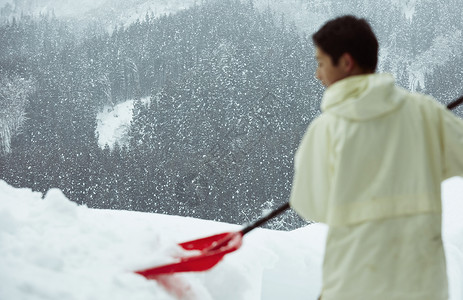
(452, 228)
(51, 248)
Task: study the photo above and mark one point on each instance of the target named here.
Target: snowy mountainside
(108, 12)
(59, 8)
(113, 123)
(306, 15)
(438, 54)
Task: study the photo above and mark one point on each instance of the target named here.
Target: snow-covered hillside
(108, 12)
(53, 249)
(395, 57)
(302, 13)
(113, 123)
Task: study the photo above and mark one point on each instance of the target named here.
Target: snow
(4, 2)
(408, 8)
(60, 8)
(52, 248)
(113, 123)
(110, 12)
(442, 50)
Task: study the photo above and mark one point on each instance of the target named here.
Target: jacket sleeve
(452, 143)
(309, 192)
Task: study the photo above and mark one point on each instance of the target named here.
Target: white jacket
(371, 167)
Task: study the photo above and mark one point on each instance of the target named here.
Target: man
(370, 166)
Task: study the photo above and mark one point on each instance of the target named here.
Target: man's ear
(347, 62)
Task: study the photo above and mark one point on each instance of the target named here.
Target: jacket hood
(363, 97)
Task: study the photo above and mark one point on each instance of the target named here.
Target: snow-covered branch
(13, 96)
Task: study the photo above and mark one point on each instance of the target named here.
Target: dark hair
(348, 34)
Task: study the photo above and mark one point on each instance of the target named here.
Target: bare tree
(13, 95)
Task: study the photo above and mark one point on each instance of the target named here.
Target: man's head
(345, 46)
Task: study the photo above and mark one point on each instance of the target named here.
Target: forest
(231, 91)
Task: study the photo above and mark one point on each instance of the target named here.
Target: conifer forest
(223, 93)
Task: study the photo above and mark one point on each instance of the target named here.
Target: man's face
(327, 72)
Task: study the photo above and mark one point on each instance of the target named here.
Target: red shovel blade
(211, 250)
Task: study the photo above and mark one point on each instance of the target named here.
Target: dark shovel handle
(455, 103)
(266, 218)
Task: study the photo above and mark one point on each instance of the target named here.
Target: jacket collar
(362, 97)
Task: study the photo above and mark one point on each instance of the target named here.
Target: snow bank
(51, 248)
(452, 228)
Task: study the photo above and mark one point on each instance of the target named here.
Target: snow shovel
(207, 252)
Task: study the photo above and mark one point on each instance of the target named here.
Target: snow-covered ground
(51, 248)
